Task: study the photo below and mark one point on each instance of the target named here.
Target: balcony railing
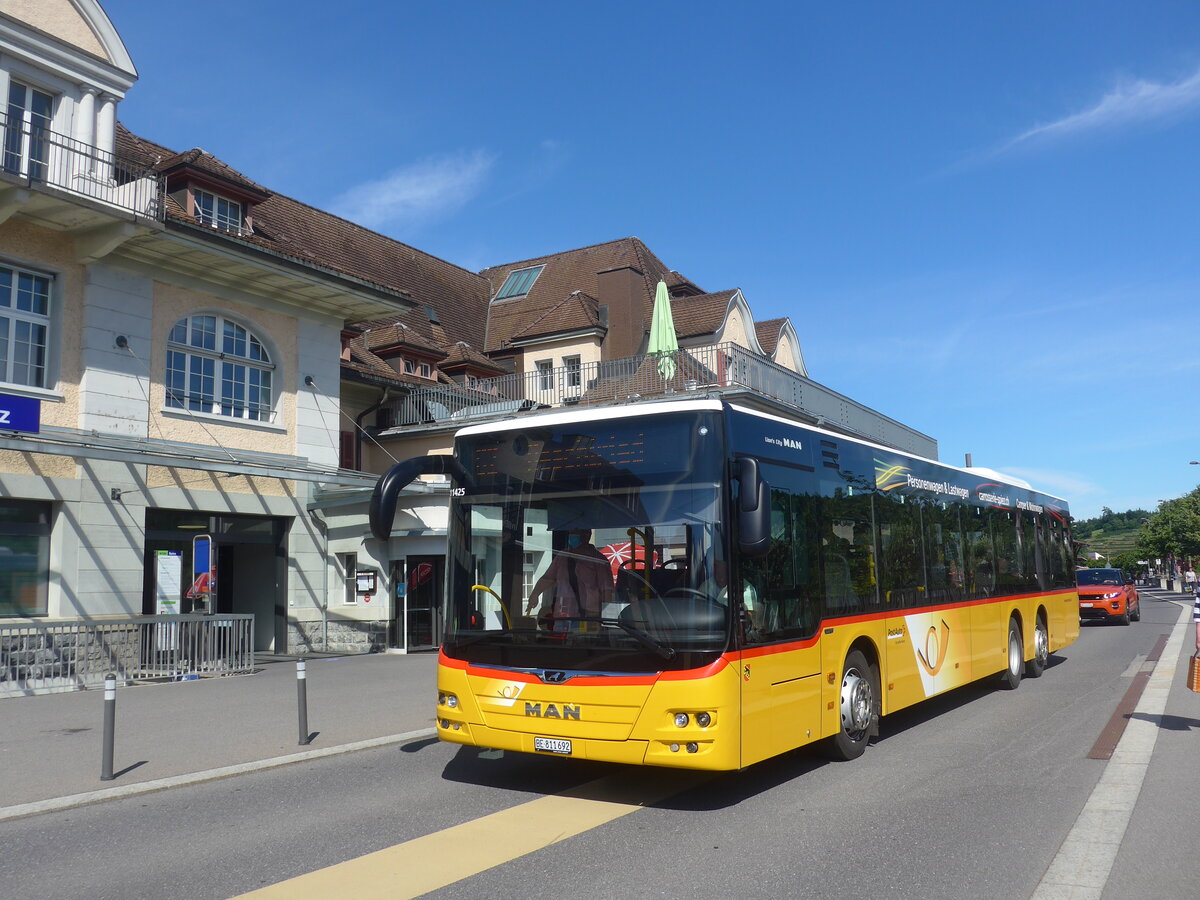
(721, 368)
(47, 157)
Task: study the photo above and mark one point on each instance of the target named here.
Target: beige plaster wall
(784, 355)
(587, 349)
(734, 331)
(197, 480)
(43, 465)
(27, 245)
(375, 460)
(59, 18)
(279, 334)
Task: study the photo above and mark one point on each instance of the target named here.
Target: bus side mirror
(382, 510)
(753, 508)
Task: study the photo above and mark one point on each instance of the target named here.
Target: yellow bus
(773, 584)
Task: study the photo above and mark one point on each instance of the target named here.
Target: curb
(146, 787)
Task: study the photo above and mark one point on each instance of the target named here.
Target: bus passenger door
(781, 655)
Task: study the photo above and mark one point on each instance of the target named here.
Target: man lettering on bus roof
(577, 584)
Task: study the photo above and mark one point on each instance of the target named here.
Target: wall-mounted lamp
(122, 342)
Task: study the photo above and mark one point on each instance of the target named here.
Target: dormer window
(518, 282)
(216, 211)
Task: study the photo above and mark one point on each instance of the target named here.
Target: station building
(185, 352)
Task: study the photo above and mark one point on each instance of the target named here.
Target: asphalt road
(969, 795)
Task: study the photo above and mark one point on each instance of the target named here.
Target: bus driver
(579, 582)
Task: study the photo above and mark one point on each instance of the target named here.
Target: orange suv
(1107, 594)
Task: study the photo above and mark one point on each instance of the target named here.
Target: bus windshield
(590, 546)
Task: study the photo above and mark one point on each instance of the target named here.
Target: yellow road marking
(427, 863)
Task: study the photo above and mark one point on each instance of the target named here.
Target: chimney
(623, 290)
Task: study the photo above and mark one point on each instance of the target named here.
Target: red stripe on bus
(735, 656)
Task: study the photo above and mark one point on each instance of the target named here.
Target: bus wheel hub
(856, 702)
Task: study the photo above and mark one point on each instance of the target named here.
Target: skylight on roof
(518, 282)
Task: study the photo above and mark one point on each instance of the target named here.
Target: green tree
(1174, 530)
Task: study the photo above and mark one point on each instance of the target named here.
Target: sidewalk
(51, 745)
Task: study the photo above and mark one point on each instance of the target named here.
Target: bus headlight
(703, 719)
(448, 700)
(682, 720)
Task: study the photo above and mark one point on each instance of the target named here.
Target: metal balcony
(41, 157)
(721, 369)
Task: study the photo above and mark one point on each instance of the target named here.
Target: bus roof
(661, 407)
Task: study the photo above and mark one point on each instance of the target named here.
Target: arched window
(216, 366)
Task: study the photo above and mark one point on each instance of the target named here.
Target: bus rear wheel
(858, 708)
(1041, 650)
(1010, 678)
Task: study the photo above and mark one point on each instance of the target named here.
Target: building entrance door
(417, 615)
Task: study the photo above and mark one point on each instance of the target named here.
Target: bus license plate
(1086, 605)
(552, 745)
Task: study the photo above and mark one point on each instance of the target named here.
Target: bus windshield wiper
(642, 638)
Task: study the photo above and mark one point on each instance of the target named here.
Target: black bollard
(110, 723)
(302, 700)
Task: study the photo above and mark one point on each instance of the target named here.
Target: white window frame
(572, 372)
(426, 370)
(545, 374)
(19, 144)
(218, 379)
(18, 327)
(223, 214)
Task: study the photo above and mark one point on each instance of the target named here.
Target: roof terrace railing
(30, 151)
(719, 368)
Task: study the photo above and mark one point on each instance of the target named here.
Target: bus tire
(1010, 678)
(858, 707)
(1041, 649)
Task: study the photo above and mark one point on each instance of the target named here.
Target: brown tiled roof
(302, 232)
(463, 354)
(206, 162)
(577, 311)
(768, 332)
(701, 314)
(399, 334)
(571, 270)
(676, 283)
(364, 361)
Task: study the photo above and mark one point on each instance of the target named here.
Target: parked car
(1108, 594)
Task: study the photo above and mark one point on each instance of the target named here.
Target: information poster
(168, 591)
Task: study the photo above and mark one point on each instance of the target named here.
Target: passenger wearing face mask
(577, 585)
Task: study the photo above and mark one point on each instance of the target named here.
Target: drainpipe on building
(358, 427)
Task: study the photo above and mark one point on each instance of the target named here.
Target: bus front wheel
(858, 708)
(1010, 678)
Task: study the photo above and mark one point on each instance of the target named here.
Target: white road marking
(1080, 870)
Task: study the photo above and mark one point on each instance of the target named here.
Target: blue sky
(981, 217)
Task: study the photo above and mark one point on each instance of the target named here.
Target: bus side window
(902, 571)
(785, 580)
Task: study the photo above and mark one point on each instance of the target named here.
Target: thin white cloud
(424, 190)
(1061, 484)
(1127, 104)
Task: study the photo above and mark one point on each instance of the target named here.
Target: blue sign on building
(20, 414)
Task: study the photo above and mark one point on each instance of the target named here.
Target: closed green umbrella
(662, 333)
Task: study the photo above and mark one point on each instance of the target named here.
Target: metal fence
(44, 156)
(715, 368)
(48, 657)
